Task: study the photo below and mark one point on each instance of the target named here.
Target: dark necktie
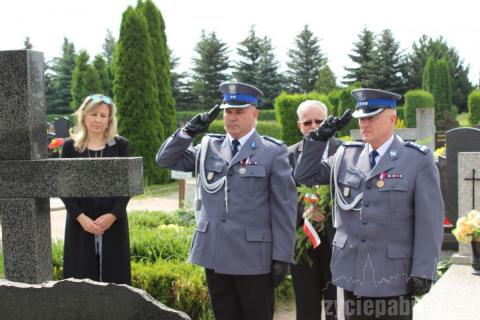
(373, 155)
(235, 144)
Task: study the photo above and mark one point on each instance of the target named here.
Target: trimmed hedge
(264, 128)
(416, 99)
(346, 101)
(184, 116)
(286, 110)
(474, 107)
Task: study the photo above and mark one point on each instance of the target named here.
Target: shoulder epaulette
(276, 141)
(353, 144)
(419, 147)
(216, 135)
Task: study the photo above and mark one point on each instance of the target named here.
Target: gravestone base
(73, 299)
(458, 258)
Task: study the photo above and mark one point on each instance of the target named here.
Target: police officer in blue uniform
(245, 205)
(388, 210)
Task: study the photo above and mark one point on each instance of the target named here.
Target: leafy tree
(209, 68)
(268, 78)
(363, 55)
(59, 95)
(247, 67)
(305, 61)
(389, 65)
(326, 81)
(85, 80)
(27, 44)
(104, 75)
(438, 48)
(156, 30)
(135, 90)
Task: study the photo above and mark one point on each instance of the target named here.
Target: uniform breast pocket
(254, 179)
(349, 184)
(214, 169)
(395, 190)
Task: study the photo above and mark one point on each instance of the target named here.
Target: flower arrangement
(468, 227)
(56, 145)
(317, 208)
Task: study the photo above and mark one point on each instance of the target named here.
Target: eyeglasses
(309, 122)
(99, 97)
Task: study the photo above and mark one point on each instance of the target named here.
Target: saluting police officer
(389, 210)
(245, 205)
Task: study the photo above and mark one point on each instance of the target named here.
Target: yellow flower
(468, 227)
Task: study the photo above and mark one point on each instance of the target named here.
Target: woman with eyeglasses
(96, 231)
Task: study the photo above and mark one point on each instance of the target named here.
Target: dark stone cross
(28, 178)
(473, 179)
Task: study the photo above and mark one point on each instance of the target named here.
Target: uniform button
(366, 204)
(228, 190)
(363, 240)
(230, 174)
(369, 186)
(223, 220)
(364, 223)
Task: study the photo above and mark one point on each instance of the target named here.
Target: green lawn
(158, 190)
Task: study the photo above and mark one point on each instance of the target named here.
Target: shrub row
(474, 107)
(184, 116)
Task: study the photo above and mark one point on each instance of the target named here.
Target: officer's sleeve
(283, 207)
(429, 214)
(310, 169)
(177, 153)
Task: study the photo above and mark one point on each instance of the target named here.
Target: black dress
(81, 256)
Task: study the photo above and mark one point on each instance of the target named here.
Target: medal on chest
(243, 167)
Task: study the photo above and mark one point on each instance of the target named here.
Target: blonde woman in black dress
(96, 231)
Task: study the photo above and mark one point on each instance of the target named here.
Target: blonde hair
(88, 106)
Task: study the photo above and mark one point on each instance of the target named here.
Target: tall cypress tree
(305, 61)
(59, 97)
(156, 30)
(268, 79)
(246, 68)
(326, 81)
(209, 69)
(85, 80)
(363, 55)
(102, 69)
(135, 90)
(428, 78)
(442, 89)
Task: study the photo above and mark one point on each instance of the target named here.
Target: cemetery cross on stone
(473, 179)
(28, 179)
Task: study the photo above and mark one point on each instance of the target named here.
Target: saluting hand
(201, 121)
(331, 125)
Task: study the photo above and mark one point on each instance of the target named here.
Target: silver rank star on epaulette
(419, 147)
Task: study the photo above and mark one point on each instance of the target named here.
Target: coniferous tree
(428, 78)
(268, 79)
(135, 90)
(363, 55)
(305, 61)
(156, 30)
(108, 54)
(442, 89)
(209, 69)
(389, 65)
(102, 69)
(326, 81)
(247, 67)
(85, 80)
(181, 87)
(59, 97)
(438, 49)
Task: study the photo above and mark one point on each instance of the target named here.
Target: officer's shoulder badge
(216, 135)
(423, 149)
(276, 141)
(353, 144)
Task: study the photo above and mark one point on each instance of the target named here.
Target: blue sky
(335, 23)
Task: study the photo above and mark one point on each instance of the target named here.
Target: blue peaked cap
(239, 95)
(371, 102)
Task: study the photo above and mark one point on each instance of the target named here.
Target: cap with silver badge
(239, 95)
(371, 102)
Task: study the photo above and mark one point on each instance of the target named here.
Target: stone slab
(455, 296)
(82, 177)
(73, 299)
(23, 121)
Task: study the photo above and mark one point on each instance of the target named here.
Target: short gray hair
(308, 104)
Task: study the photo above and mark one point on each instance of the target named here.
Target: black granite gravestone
(62, 127)
(28, 178)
